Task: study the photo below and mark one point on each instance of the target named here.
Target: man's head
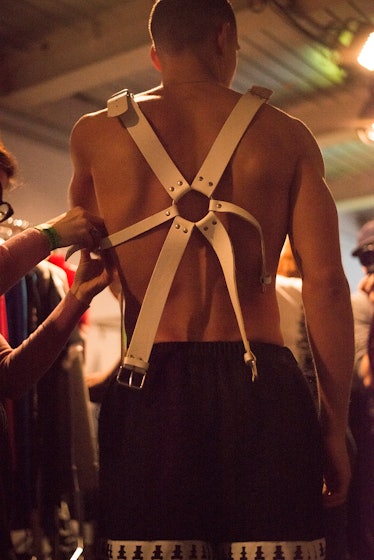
(175, 25)
(365, 246)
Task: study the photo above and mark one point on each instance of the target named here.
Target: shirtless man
(203, 455)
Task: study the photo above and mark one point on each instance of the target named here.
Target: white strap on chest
(135, 359)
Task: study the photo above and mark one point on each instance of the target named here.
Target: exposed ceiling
(63, 58)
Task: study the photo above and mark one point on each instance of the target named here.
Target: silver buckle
(129, 377)
(253, 366)
(250, 360)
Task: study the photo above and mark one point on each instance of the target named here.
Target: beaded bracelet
(51, 234)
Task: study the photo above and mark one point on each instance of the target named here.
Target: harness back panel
(134, 359)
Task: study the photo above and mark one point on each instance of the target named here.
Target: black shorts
(202, 453)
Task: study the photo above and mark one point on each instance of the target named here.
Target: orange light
(366, 134)
(366, 56)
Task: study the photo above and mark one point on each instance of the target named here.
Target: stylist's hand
(91, 277)
(79, 227)
(337, 471)
(367, 285)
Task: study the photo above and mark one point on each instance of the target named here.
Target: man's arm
(81, 189)
(326, 296)
(81, 186)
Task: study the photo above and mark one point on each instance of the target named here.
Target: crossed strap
(135, 358)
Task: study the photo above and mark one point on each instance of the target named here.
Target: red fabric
(8, 404)
(59, 260)
(3, 318)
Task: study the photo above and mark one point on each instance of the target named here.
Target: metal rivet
(185, 230)
(180, 183)
(214, 222)
(201, 178)
(206, 228)
(210, 184)
(171, 189)
(167, 213)
(218, 205)
(177, 226)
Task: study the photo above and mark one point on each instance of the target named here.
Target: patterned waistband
(201, 550)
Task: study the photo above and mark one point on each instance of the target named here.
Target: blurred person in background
(361, 500)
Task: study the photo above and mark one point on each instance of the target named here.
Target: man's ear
(155, 59)
(223, 36)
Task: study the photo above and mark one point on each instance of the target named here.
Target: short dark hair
(8, 163)
(178, 24)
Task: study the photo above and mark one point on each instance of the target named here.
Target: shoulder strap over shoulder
(123, 106)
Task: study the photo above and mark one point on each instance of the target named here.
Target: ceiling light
(366, 134)
(357, 45)
(366, 56)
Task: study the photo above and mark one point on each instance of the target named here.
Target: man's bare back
(260, 178)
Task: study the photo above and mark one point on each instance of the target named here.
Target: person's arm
(98, 381)
(21, 253)
(23, 366)
(326, 296)
(81, 190)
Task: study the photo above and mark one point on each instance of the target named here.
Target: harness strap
(215, 232)
(140, 227)
(143, 337)
(135, 362)
(217, 159)
(224, 206)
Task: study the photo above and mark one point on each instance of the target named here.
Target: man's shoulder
(89, 121)
(94, 116)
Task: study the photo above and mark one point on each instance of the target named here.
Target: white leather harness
(134, 359)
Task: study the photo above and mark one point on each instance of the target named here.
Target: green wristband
(51, 234)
